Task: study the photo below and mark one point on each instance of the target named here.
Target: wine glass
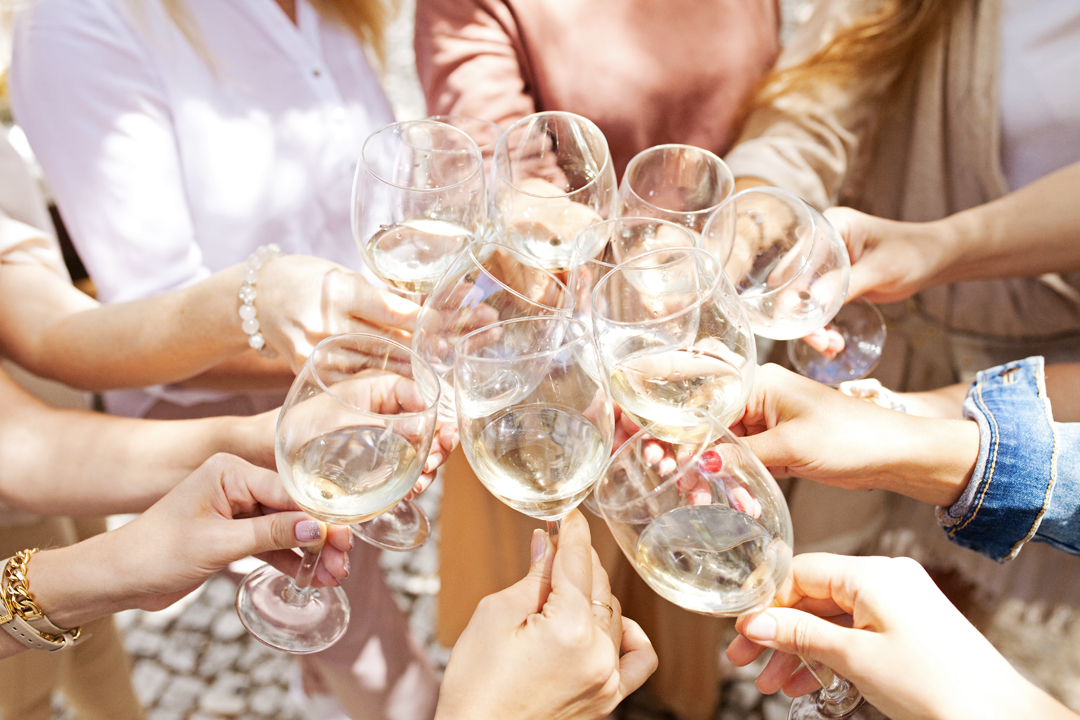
(534, 413)
(682, 184)
(553, 177)
(791, 269)
(484, 133)
(352, 439)
(600, 247)
(707, 528)
(418, 198)
(673, 338)
(487, 283)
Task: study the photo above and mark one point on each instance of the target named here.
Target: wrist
(937, 458)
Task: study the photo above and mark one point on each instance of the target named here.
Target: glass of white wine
(418, 197)
(352, 439)
(553, 177)
(790, 267)
(600, 247)
(534, 413)
(707, 528)
(487, 283)
(682, 184)
(673, 339)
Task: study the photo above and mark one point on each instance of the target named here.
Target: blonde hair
(880, 43)
(366, 19)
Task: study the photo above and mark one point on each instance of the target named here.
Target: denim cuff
(1013, 482)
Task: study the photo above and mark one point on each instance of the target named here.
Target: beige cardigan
(929, 149)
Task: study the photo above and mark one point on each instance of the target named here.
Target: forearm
(935, 460)
(1029, 232)
(166, 338)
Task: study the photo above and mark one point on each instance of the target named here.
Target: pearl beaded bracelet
(249, 324)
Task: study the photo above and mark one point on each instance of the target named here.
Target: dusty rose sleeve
(471, 60)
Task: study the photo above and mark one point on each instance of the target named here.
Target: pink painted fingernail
(348, 565)
(538, 546)
(307, 530)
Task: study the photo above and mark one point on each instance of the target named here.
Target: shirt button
(316, 72)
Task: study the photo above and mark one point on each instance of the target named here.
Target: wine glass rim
(718, 281)
(629, 219)
(432, 407)
(528, 262)
(589, 124)
(783, 194)
(716, 434)
(583, 336)
(709, 155)
(478, 156)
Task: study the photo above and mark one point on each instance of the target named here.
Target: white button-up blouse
(170, 162)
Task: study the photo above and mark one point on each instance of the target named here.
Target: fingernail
(762, 627)
(347, 566)
(454, 438)
(538, 546)
(307, 530)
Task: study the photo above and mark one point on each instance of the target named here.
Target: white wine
(711, 559)
(413, 256)
(546, 232)
(352, 474)
(539, 460)
(660, 386)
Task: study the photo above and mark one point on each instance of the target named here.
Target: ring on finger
(611, 610)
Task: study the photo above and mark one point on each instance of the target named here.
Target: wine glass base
(301, 629)
(402, 527)
(812, 707)
(863, 329)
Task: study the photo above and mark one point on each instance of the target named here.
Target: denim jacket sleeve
(1026, 483)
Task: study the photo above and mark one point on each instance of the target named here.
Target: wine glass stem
(835, 691)
(299, 590)
(553, 527)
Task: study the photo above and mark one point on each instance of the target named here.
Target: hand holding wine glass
(352, 439)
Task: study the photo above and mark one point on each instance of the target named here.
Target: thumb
(531, 592)
(382, 307)
(772, 449)
(277, 531)
(799, 633)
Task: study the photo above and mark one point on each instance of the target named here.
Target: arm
(180, 334)
(470, 62)
(1028, 232)
(54, 463)
(882, 623)
(548, 646)
(802, 143)
(224, 511)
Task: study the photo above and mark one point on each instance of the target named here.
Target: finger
(741, 652)
(571, 573)
(383, 307)
(819, 340)
(776, 672)
(340, 537)
(801, 682)
(638, 661)
(799, 633)
(528, 596)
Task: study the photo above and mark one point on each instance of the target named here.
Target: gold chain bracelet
(16, 596)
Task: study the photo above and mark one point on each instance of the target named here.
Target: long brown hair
(880, 43)
(367, 19)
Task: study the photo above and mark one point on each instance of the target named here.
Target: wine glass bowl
(682, 184)
(486, 284)
(351, 440)
(789, 266)
(553, 177)
(534, 413)
(674, 338)
(704, 523)
(418, 198)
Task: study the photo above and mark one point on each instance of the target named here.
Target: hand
(541, 649)
(224, 511)
(799, 427)
(890, 260)
(305, 299)
(882, 623)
